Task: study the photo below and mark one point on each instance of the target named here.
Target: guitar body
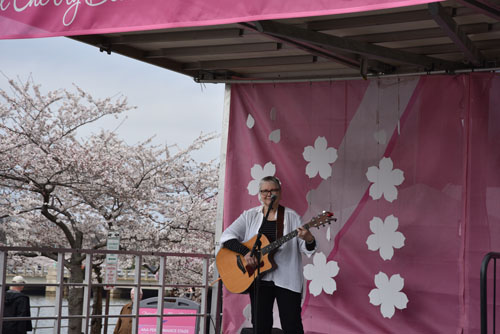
(234, 271)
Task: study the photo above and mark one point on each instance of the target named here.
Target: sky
(170, 106)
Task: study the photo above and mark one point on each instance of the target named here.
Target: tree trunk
(75, 296)
(96, 323)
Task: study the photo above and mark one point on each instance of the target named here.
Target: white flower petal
(253, 187)
(319, 259)
(372, 242)
(391, 223)
(332, 268)
(331, 155)
(386, 164)
(329, 286)
(256, 172)
(375, 297)
(390, 193)
(372, 174)
(320, 144)
(376, 224)
(375, 191)
(387, 310)
(269, 169)
(386, 252)
(401, 301)
(397, 177)
(275, 136)
(315, 287)
(309, 272)
(311, 170)
(272, 114)
(396, 282)
(308, 153)
(398, 240)
(325, 171)
(381, 280)
(250, 121)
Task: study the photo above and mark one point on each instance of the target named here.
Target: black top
(17, 304)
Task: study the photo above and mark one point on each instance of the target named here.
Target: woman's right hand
(251, 260)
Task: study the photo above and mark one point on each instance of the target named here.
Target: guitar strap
(279, 222)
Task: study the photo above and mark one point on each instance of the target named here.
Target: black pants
(288, 306)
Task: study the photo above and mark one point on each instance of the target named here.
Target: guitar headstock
(326, 217)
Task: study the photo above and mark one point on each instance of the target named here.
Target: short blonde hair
(270, 178)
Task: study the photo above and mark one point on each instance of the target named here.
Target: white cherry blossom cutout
(385, 236)
(388, 294)
(321, 274)
(275, 136)
(258, 173)
(250, 121)
(385, 180)
(272, 114)
(320, 157)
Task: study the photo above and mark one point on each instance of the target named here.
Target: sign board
(111, 266)
(177, 325)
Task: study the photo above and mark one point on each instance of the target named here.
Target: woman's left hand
(305, 234)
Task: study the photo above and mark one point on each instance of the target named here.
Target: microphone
(273, 199)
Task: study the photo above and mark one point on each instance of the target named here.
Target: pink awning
(46, 18)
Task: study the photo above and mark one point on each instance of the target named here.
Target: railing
(30, 271)
(37, 326)
(88, 283)
(484, 295)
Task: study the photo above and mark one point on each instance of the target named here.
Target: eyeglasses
(268, 192)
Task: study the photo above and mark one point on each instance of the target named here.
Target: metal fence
(484, 292)
(207, 320)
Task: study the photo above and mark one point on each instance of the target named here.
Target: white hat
(18, 279)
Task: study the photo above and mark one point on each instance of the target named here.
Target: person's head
(269, 186)
(132, 293)
(18, 280)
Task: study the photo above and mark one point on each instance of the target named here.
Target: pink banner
(409, 166)
(44, 18)
(179, 325)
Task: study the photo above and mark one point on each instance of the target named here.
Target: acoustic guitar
(237, 276)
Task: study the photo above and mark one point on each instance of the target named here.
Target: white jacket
(288, 258)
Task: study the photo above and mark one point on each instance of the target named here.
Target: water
(43, 306)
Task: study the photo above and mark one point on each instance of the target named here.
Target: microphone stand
(256, 251)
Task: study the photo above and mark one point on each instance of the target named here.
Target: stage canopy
(221, 40)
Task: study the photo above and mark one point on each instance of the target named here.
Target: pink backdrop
(442, 136)
(43, 18)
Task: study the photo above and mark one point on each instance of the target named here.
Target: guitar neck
(277, 243)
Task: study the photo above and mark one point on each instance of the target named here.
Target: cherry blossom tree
(57, 190)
